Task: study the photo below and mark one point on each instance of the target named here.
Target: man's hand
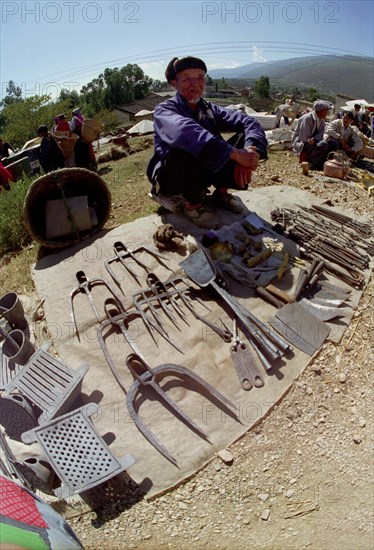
(242, 176)
(247, 157)
(345, 146)
(312, 141)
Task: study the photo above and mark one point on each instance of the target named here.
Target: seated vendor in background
(308, 137)
(341, 135)
(190, 153)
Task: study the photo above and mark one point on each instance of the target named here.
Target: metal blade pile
(342, 242)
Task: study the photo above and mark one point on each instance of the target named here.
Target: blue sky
(48, 45)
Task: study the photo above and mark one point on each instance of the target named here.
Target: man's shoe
(228, 202)
(201, 217)
(173, 203)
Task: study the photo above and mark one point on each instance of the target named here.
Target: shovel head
(198, 268)
(300, 327)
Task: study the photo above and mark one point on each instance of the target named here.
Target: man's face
(190, 84)
(347, 121)
(323, 113)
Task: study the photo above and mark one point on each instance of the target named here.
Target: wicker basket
(66, 142)
(91, 129)
(63, 184)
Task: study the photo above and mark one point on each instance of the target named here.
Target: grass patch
(13, 234)
(15, 271)
(129, 186)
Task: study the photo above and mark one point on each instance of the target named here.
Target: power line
(211, 48)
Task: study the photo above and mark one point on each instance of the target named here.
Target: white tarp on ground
(203, 351)
(143, 127)
(266, 120)
(143, 112)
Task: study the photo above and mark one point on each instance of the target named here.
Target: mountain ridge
(330, 74)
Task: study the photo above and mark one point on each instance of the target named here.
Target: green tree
(313, 94)
(92, 95)
(115, 87)
(223, 84)
(262, 87)
(125, 84)
(13, 94)
(72, 97)
(21, 118)
(157, 85)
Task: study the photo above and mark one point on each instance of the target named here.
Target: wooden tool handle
(263, 293)
(281, 294)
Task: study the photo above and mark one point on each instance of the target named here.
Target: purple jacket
(198, 131)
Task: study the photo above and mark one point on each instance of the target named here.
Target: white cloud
(257, 55)
(224, 65)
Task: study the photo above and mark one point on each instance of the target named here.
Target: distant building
(129, 111)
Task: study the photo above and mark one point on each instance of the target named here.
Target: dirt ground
(303, 477)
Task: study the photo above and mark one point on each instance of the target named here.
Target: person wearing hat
(51, 154)
(190, 154)
(83, 152)
(62, 124)
(308, 140)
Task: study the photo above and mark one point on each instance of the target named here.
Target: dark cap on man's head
(176, 65)
(321, 105)
(41, 129)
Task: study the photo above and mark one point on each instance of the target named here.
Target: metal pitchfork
(122, 252)
(225, 333)
(165, 297)
(117, 318)
(146, 377)
(85, 285)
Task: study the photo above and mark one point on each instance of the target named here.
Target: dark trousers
(82, 154)
(183, 174)
(316, 154)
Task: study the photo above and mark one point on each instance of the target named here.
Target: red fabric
(17, 504)
(63, 126)
(5, 175)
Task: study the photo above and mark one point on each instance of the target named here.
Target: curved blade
(323, 312)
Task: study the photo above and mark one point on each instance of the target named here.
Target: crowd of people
(348, 131)
(52, 155)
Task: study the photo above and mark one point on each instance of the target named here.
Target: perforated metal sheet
(77, 453)
(16, 416)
